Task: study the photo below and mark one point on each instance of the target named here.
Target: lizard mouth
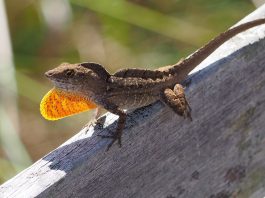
(64, 86)
(59, 83)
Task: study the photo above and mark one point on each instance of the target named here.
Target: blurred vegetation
(117, 34)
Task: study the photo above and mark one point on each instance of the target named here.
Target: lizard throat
(57, 104)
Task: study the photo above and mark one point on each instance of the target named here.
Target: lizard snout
(48, 74)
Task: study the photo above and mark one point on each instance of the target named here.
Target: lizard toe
(114, 138)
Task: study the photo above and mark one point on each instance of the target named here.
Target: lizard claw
(89, 124)
(114, 138)
(94, 123)
(187, 112)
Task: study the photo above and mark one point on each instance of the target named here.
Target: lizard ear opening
(97, 68)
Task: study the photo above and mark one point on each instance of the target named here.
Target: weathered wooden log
(221, 153)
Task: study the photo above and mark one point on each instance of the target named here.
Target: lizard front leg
(116, 136)
(177, 101)
(99, 111)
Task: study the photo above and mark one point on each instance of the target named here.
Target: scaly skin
(134, 88)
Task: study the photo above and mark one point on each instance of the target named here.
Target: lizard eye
(69, 73)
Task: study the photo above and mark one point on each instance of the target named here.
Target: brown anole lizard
(83, 86)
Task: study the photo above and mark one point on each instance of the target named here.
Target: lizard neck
(183, 68)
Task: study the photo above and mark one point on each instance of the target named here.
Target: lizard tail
(183, 68)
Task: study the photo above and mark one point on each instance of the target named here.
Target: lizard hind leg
(177, 101)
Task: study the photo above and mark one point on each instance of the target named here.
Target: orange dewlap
(57, 104)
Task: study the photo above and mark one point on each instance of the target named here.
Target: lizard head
(81, 78)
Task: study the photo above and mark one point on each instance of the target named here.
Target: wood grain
(221, 153)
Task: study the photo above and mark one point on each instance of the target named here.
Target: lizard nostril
(48, 74)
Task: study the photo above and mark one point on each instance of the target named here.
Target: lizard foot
(114, 137)
(92, 122)
(95, 123)
(177, 101)
(96, 119)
